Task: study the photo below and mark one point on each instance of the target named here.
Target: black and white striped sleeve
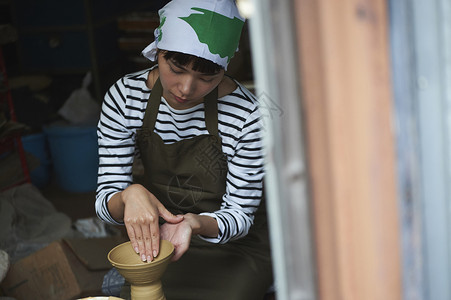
(244, 184)
(116, 149)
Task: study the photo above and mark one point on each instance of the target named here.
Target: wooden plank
(345, 78)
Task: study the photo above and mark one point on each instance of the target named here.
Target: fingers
(168, 216)
(179, 235)
(151, 239)
(132, 237)
(144, 236)
(140, 242)
(141, 215)
(179, 251)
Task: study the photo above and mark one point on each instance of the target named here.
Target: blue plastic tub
(74, 153)
(36, 145)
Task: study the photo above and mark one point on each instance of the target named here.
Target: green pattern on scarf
(224, 39)
(160, 36)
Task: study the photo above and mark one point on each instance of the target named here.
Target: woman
(199, 138)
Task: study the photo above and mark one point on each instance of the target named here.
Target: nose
(186, 85)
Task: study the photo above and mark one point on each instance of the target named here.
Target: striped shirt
(240, 129)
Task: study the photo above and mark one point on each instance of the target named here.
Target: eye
(207, 80)
(175, 70)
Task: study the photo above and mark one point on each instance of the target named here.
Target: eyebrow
(183, 68)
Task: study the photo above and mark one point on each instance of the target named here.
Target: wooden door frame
(331, 152)
(347, 103)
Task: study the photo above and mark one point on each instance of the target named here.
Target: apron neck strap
(211, 112)
(150, 117)
(210, 104)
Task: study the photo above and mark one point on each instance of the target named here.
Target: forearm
(116, 207)
(202, 225)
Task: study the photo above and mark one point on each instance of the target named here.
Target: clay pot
(144, 277)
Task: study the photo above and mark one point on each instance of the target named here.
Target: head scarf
(209, 29)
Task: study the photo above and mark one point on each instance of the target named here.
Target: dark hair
(199, 64)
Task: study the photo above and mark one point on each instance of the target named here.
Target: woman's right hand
(141, 212)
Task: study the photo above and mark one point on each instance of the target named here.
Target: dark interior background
(58, 42)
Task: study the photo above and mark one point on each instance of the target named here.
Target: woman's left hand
(179, 235)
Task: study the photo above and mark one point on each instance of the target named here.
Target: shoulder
(241, 96)
(130, 83)
(129, 94)
(238, 108)
(226, 86)
(136, 79)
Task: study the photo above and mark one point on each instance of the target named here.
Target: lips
(180, 100)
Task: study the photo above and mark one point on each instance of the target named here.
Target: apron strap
(210, 104)
(211, 112)
(150, 117)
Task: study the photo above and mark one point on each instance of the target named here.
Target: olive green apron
(190, 176)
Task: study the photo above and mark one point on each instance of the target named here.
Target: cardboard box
(58, 272)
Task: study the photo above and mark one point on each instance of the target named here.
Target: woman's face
(182, 87)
